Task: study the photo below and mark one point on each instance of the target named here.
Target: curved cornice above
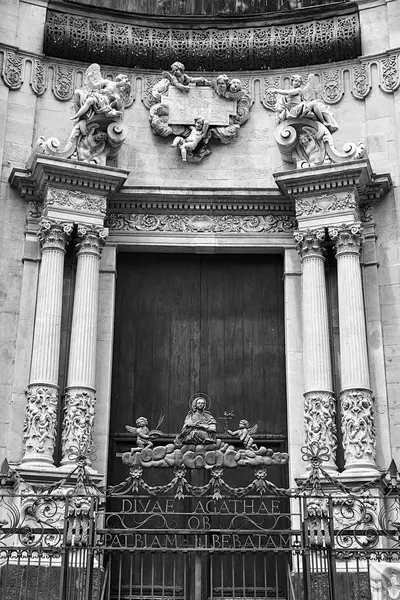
(201, 10)
(214, 48)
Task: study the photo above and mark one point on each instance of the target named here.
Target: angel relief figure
(97, 133)
(297, 102)
(190, 143)
(244, 433)
(142, 433)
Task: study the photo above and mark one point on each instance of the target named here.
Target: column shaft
(80, 399)
(42, 396)
(356, 396)
(319, 401)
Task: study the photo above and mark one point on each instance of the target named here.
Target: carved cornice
(356, 177)
(45, 171)
(356, 77)
(217, 224)
(218, 48)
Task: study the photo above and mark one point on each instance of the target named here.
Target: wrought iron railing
(320, 541)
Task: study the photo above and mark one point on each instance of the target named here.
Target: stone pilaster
(42, 396)
(355, 396)
(319, 401)
(80, 393)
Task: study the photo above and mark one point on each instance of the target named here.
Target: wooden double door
(188, 322)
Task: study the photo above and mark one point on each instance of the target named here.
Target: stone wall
(248, 163)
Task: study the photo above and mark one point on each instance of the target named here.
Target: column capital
(309, 242)
(54, 235)
(347, 238)
(91, 239)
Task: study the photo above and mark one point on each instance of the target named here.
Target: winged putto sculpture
(306, 125)
(195, 110)
(142, 433)
(98, 132)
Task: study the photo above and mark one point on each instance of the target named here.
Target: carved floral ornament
(53, 235)
(325, 203)
(309, 242)
(358, 426)
(347, 238)
(76, 200)
(63, 79)
(39, 430)
(199, 224)
(320, 420)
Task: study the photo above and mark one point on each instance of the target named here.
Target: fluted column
(39, 431)
(319, 401)
(355, 396)
(80, 392)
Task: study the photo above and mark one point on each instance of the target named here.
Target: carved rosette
(53, 235)
(358, 428)
(77, 432)
(309, 242)
(347, 238)
(91, 240)
(320, 423)
(39, 431)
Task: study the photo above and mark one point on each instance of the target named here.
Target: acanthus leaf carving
(54, 235)
(309, 242)
(39, 432)
(38, 77)
(13, 67)
(390, 79)
(91, 239)
(200, 224)
(78, 423)
(325, 203)
(358, 427)
(320, 421)
(347, 238)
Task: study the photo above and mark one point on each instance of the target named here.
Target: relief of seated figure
(199, 426)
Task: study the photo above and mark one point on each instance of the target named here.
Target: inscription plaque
(203, 102)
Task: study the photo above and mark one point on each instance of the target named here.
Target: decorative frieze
(354, 78)
(358, 428)
(77, 431)
(320, 422)
(200, 224)
(215, 48)
(76, 200)
(39, 433)
(325, 203)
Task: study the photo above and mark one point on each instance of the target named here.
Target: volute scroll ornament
(306, 125)
(98, 132)
(195, 110)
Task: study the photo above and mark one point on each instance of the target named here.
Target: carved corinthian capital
(358, 428)
(320, 421)
(347, 238)
(309, 242)
(91, 239)
(77, 433)
(53, 235)
(39, 431)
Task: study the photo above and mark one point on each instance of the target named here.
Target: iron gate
(180, 541)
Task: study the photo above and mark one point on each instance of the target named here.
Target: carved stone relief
(325, 203)
(306, 124)
(358, 426)
(320, 421)
(200, 224)
(39, 430)
(334, 83)
(76, 200)
(77, 433)
(194, 114)
(214, 48)
(98, 132)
